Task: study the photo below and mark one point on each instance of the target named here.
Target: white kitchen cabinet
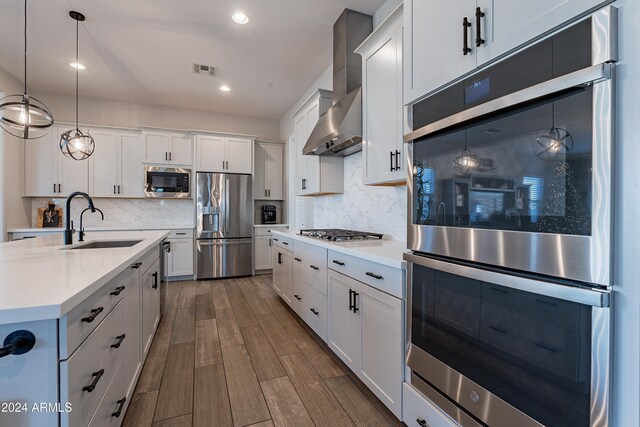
(49, 173)
(433, 35)
(116, 166)
(365, 331)
(315, 174)
(283, 274)
(132, 363)
(382, 144)
(224, 153)
(268, 171)
(264, 246)
(150, 296)
(172, 148)
(180, 259)
(417, 411)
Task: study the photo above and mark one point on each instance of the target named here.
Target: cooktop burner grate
(339, 235)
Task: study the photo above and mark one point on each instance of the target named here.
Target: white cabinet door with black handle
(344, 321)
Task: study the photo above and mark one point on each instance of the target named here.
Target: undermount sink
(107, 244)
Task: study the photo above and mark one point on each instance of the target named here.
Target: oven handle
(592, 297)
(584, 77)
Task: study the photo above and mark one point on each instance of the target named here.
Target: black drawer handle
(96, 377)
(94, 313)
(375, 276)
(298, 259)
(479, 40)
(355, 301)
(117, 291)
(121, 405)
(297, 297)
(335, 261)
(421, 422)
(155, 280)
(119, 338)
(314, 267)
(545, 347)
(465, 45)
(181, 234)
(137, 265)
(285, 243)
(351, 303)
(276, 240)
(497, 329)
(314, 311)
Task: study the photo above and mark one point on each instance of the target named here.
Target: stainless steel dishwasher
(165, 248)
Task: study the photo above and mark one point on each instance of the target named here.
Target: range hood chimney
(339, 131)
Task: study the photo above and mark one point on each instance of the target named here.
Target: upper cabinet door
(103, 164)
(211, 153)
(260, 173)
(131, 169)
(507, 24)
(239, 155)
(181, 150)
(434, 41)
(275, 168)
(73, 175)
(156, 147)
(301, 161)
(313, 162)
(41, 165)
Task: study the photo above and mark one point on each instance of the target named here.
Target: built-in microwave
(167, 182)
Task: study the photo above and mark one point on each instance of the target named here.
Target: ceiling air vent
(207, 70)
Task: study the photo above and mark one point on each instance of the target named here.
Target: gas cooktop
(339, 235)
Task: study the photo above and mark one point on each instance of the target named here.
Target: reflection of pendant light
(74, 143)
(21, 115)
(467, 160)
(553, 142)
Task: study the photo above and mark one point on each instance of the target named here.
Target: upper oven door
(167, 182)
(520, 177)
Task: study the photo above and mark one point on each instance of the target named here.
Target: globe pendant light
(74, 143)
(21, 115)
(554, 142)
(467, 160)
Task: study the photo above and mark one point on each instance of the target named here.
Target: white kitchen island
(93, 313)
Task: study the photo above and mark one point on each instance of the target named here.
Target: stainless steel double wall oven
(510, 219)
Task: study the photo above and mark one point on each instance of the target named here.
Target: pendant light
(21, 115)
(467, 160)
(553, 142)
(74, 143)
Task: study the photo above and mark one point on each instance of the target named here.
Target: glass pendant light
(554, 142)
(21, 115)
(74, 143)
(467, 160)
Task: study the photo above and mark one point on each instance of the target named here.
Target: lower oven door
(509, 350)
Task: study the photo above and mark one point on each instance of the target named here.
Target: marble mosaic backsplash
(125, 212)
(363, 207)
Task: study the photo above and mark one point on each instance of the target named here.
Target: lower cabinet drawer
(382, 277)
(417, 411)
(84, 378)
(314, 310)
(283, 242)
(111, 409)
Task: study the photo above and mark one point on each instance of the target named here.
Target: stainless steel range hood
(339, 130)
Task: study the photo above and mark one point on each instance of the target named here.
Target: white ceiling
(143, 50)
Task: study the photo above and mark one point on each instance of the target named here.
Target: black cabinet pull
(355, 302)
(96, 377)
(314, 267)
(137, 265)
(155, 280)
(297, 297)
(279, 258)
(285, 243)
(114, 189)
(304, 183)
(545, 347)
(54, 187)
(118, 189)
(270, 243)
(375, 276)
(351, 299)
(18, 342)
(166, 156)
(117, 291)
(94, 313)
(119, 340)
(465, 29)
(479, 39)
(397, 160)
(391, 156)
(314, 311)
(497, 329)
(421, 422)
(121, 405)
(169, 155)
(298, 259)
(59, 189)
(335, 261)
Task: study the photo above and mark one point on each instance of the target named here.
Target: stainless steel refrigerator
(224, 234)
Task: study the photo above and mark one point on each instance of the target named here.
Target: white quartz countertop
(385, 252)
(108, 228)
(270, 225)
(42, 279)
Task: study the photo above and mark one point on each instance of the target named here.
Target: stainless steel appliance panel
(224, 206)
(224, 258)
(163, 182)
(165, 248)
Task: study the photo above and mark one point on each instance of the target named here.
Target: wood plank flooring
(232, 353)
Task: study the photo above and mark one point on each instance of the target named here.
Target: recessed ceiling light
(240, 18)
(77, 66)
(225, 88)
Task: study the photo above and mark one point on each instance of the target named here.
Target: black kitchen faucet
(68, 231)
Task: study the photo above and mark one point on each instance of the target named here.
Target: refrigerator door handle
(226, 205)
(223, 242)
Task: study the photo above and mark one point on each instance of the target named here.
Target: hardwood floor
(232, 353)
